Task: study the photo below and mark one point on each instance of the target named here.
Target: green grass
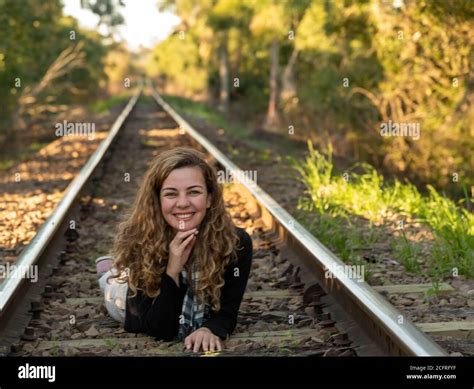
(335, 197)
(339, 234)
(434, 290)
(104, 105)
(407, 253)
(111, 344)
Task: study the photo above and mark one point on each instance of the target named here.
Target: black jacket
(159, 317)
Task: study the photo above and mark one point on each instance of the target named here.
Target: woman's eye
(194, 192)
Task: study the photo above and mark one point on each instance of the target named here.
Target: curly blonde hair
(141, 247)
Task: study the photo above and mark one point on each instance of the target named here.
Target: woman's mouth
(184, 216)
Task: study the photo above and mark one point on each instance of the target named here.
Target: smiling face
(184, 198)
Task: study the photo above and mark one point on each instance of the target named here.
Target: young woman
(180, 266)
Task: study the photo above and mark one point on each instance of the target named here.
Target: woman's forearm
(158, 317)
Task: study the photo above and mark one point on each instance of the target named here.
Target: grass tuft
(333, 198)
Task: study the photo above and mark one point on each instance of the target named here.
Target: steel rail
(382, 322)
(33, 251)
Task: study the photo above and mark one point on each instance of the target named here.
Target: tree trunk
(238, 59)
(224, 77)
(288, 84)
(272, 119)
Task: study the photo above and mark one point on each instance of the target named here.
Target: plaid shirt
(193, 314)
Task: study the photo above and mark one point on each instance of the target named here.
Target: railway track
(291, 306)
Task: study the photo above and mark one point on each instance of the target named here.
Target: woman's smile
(184, 216)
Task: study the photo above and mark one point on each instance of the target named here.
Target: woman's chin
(184, 226)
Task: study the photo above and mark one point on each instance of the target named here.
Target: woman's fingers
(205, 343)
(180, 243)
(197, 341)
(203, 339)
(212, 344)
(187, 241)
(189, 341)
(181, 235)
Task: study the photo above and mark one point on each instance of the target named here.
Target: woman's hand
(205, 338)
(180, 248)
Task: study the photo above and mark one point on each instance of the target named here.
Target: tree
(224, 16)
(351, 65)
(276, 23)
(108, 12)
(28, 104)
(39, 60)
(269, 24)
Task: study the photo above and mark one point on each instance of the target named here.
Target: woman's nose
(183, 201)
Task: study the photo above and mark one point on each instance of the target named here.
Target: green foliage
(336, 196)
(186, 74)
(32, 35)
(408, 253)
(269, 20)
(402, 64)
(229, 13)
(26, 31)
(108, 11)
(104, 105)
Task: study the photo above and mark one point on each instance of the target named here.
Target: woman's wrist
(173, 275)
